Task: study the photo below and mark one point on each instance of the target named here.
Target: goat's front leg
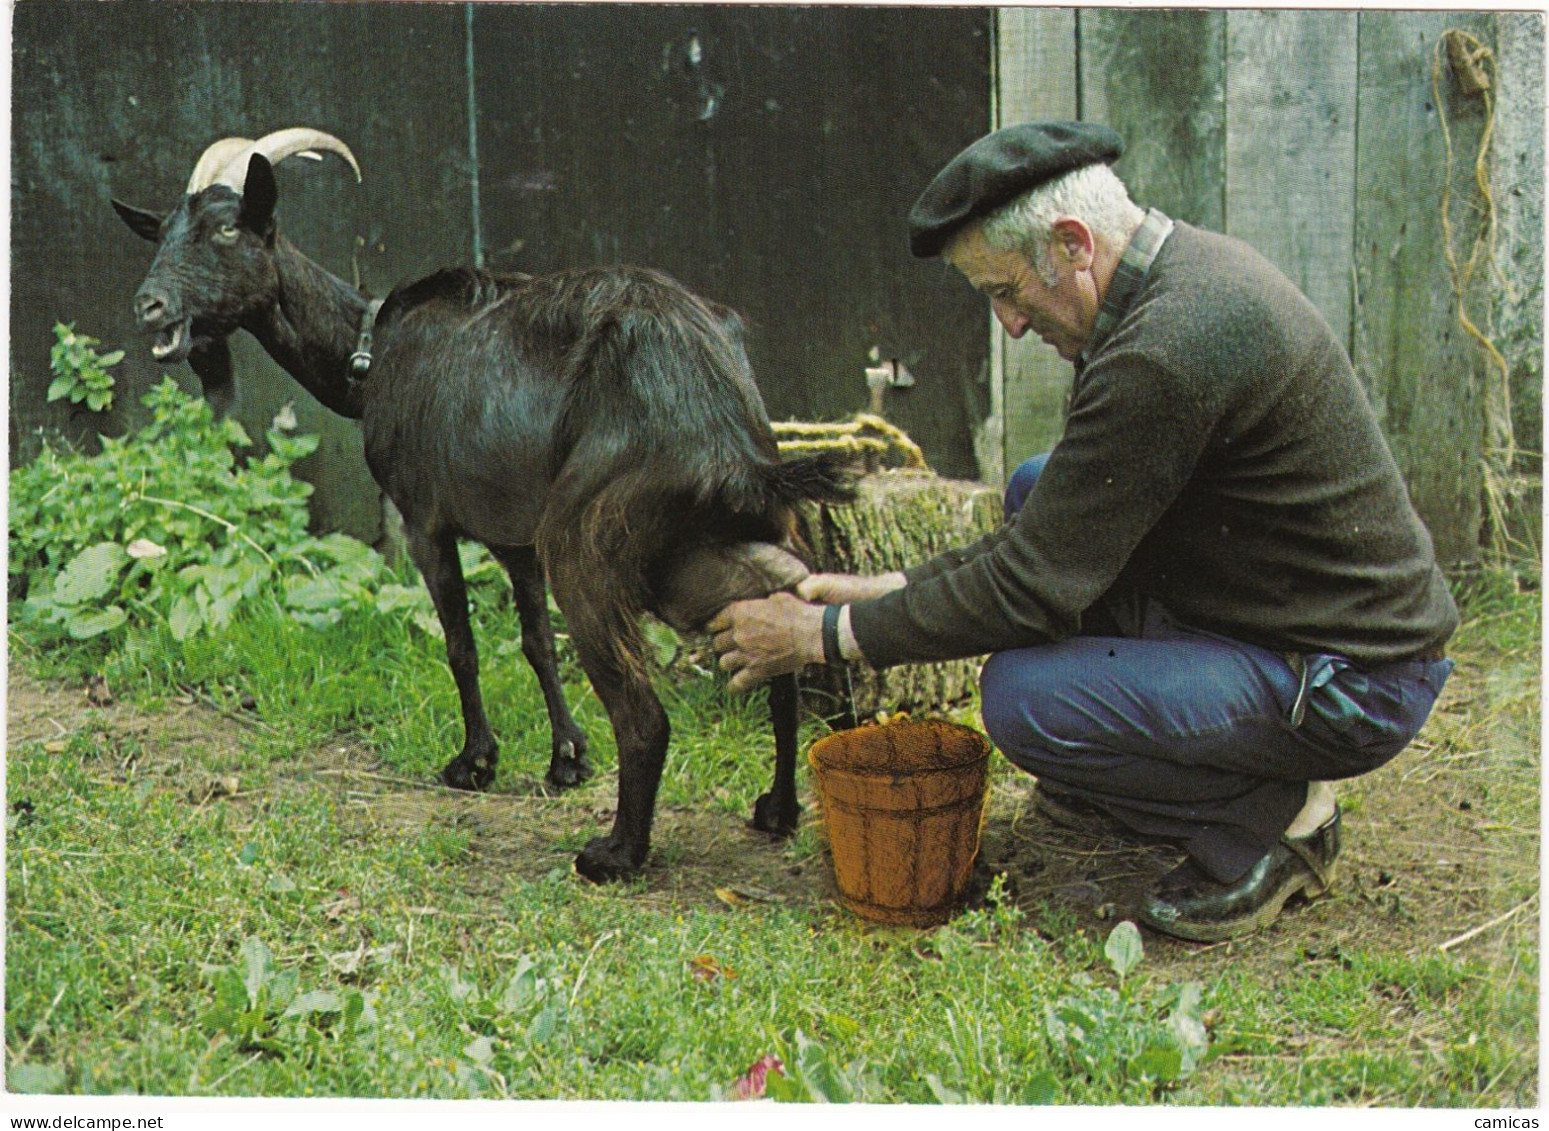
(567, 758)
(436, 558)
(778, 810)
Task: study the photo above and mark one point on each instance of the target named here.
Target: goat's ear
(259, 193)
(146, 225)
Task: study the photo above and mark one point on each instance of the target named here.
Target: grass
(284, 905)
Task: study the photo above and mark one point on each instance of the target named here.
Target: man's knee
(1004, 707)
(1022, 481)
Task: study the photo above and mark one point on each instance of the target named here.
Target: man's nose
(1015, 324)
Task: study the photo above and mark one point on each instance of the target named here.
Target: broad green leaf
(292, 448)
(392, 598)
(61, 386)
(1187, 1026)
(481, 1051)
(35, 1079)
(83, 624)
(543, 1025)
(521, 988)
(1157, 1064)
(357, 1011)
(315, 1001)
(1124, 948)
(459, 989)
(257, 965)
(313, 594)
(185, 618)
(1041, 1089)
(90, 574)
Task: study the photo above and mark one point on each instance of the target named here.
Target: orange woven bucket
(902, 804)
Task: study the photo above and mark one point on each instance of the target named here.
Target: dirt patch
(1437, 844)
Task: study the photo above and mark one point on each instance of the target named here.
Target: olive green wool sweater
(1220, 456)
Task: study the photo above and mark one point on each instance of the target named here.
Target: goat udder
(707, 579)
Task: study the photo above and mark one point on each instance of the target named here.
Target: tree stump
(902, 518)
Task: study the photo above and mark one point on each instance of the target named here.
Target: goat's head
(214, 264)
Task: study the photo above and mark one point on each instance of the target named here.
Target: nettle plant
(170, 525)
(80, 372)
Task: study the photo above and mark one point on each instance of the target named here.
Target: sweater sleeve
(1133, 437)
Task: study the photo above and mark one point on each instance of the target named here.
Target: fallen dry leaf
(706, 968)
(214, 789)
(337, 909)
(750, 1085)
(142, 548)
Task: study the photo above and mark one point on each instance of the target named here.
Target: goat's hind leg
(702, 581)
(778, 811)
(642, 731)
(567, 759)
(436, 557)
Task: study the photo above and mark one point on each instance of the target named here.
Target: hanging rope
(1473, 68)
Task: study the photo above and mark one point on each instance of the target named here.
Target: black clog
(1188, 904)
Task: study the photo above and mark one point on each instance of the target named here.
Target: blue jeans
(1187, 734)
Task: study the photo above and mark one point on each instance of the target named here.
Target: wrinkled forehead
(980, 263)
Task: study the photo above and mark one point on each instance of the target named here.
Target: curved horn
(214, 159)
(277, 147)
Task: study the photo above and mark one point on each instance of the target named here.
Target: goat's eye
(226, 233)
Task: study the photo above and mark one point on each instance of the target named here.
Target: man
(1213, 597)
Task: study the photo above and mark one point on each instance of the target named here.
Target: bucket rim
(983, 747)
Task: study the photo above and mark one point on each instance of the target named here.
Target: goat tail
(828, 477)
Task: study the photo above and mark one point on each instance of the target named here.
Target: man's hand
(758, 640)
(842, 588)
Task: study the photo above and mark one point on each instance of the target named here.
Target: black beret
(1001, 166)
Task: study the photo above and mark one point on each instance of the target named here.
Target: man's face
(1061, 312)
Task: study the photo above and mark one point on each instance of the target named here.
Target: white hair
(1092, 193)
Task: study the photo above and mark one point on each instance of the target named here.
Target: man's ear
(1075, 241)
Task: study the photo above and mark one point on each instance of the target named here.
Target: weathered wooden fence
(768, 156)
(1317, 136)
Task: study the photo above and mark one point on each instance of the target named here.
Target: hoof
(567, 768)
(468, 773)
(775, 819)
(605, 859)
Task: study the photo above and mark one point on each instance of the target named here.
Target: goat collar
(360, 360)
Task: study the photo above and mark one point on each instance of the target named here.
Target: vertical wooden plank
(1159, 78)
(1517, 172)
(130, 121)
(1419, 368)
(1036, 59)
(1290, 146)
(765, 156)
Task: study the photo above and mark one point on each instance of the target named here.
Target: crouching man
(1213, 597)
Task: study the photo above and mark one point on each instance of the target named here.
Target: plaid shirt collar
(1128, 278)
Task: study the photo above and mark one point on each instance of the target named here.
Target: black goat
(600, 426)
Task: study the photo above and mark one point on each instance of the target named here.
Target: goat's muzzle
(173, 337)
